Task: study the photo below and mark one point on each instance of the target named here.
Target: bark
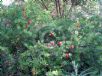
(59, 8)
(44, 5)
(100, 8)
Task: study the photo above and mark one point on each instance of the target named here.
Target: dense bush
(34, 44)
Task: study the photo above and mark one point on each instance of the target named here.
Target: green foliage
(34, 44)
(6, 62)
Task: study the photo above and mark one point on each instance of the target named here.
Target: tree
(100, 7)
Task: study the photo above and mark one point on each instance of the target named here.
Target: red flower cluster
(67, 55)
(52, 43)
(59, 43)
(72, 47)
(51, 34)
(28, 23)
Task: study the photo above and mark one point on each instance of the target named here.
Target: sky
(7, 2)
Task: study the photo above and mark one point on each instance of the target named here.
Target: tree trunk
(100, 8)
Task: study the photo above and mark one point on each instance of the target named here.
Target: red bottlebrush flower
(72, 47)
(59, 43)
(52, 43)
(29, 21)
(67, 55)
(51, 34)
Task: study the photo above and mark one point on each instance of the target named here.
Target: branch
(44, 5)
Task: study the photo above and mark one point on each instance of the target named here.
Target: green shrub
(33, 44)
